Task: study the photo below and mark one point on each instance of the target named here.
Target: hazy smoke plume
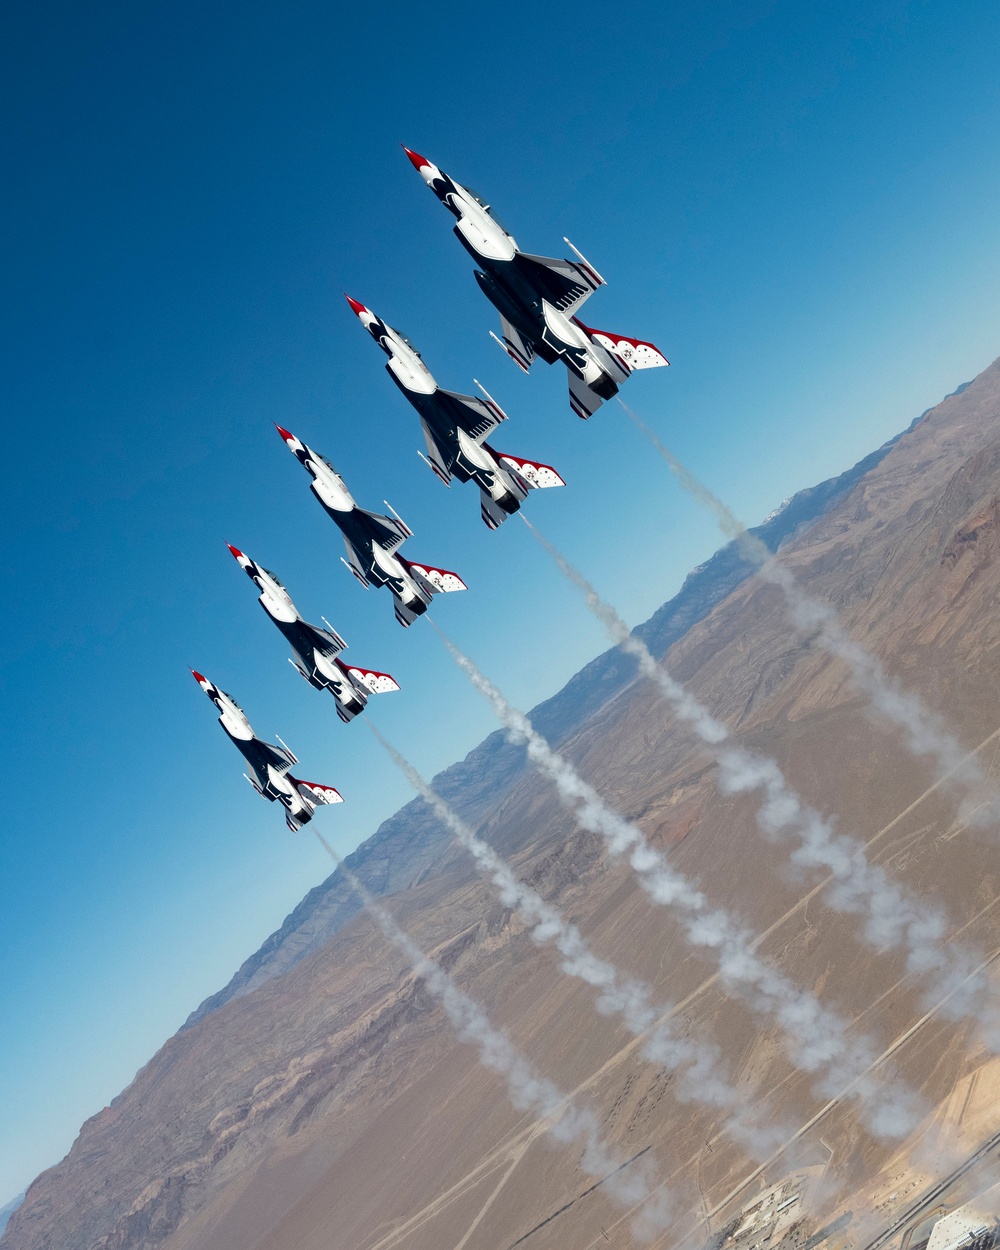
(568, 1123)
(815, 1037)
(697, 1066)
(923, 730)
(894, 918)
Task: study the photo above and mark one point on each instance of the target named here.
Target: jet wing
(566, 284)
(327, 642)
(356, 564)
(389, 532)
(516, 345)
(279, 759)
(477, 417)
(440, 458)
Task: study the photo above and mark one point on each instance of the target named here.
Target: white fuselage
(407, 366)
(563, 329)
(500, 483)
(394, 570)
(329, 486)
(233, 719)
(481, 231)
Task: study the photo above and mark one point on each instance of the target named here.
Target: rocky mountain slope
(332, 1107)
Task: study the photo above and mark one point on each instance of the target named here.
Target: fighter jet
(270, 765)
(315, 650)
(455, 428)
(372, 540)
(537, 297)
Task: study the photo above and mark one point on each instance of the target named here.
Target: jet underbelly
(576, 348)
(411, 377)
(328, 669)
(278, 610)
(480, 232)
(388, 565)
(478, 462)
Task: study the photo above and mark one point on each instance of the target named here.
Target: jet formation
(537, 298)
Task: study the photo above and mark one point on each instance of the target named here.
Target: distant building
(966, 1228)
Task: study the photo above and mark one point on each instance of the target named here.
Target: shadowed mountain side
(404, 846)
(332, 1108)
(7, 1211)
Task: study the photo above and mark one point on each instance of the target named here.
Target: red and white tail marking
(635, 353)
(317, 793)
(442, 580)
(377, 683)
(535, 474)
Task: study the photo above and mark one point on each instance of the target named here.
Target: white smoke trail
(924, 732)
(815, 1038)
(697, 1067)
(630, 1183)
(893, 917)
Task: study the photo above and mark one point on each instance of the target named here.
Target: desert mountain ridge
(328, 1106)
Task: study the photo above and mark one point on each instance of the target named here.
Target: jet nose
(358, 307)
(287, 435)
(418, 162)
(198, 677)
(237, 554)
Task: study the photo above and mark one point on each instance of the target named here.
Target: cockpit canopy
(484, 205)
(407, 342)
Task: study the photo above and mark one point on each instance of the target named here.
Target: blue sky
(796, 202)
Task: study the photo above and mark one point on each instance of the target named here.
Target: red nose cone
(284, 433)
(358, 308)
(237, 554)
(198, 677)
(416, 160)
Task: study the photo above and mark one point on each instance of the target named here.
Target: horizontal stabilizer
(634, 352)
(438, 581)
(582, 399)
(493, 515)
(405, 613)
(316, 793)
(537, 475)
(377, 683)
